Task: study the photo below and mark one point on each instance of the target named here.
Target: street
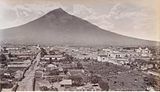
(27, 83)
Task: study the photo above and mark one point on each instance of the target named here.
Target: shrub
(103, 85)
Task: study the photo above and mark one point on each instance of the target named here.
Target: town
(79, 68)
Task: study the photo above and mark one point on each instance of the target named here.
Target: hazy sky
(136, 18)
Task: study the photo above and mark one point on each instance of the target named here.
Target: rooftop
(52, 56)
(66, 82)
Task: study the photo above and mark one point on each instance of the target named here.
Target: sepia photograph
(79, 45)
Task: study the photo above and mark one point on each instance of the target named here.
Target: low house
(38, 74)
(144, 52)
(13, 58)
(24, 57)
(66, 83)
(12, 48)
(53, 57)
(122, 61)
(103, 58)
(51, 67)
(73, 72)
(89, 87)
(19, 65)
(111, 55)
(18, 75)
(69, 66)
(118, 54)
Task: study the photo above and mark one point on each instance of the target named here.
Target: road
(27, 83)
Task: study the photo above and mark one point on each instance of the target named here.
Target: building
(18, 75)
(38, 74)
(143, 52)
(111, 55)
(53, 57)
(66, 83)
(51, 67)
(18, 64)
(103, 58)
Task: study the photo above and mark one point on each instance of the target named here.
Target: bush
(53, 72)
(95, 79)
(53, 89)
(77, 80)
(79, 65)
(103, 85)
(2, 58)
(44, 88)
(150, 81)
(43, 52)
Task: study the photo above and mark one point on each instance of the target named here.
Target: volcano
(60, 27)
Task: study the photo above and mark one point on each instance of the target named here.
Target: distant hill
(59, 27)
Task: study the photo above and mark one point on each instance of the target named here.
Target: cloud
(92, 16)
(130, 20)
(22, 14)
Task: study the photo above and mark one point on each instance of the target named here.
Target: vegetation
(153, 81)
(65, 71)
(43, 52)
(4, 50)
(103, 69)
(157, 83)
(10, 55)
(68, 58)
(55, 79)
(44, 88)
(54, 72)
(3, 57)
(104, 85)
(95, 79)
(52, 52)
(79, 65)
(77, 80)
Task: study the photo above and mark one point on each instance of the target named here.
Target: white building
(144, 52)
(103, 58)
(66, 83)
(53, 57)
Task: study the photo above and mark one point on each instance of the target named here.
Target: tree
(43, 52)
(5, 50)
(50, 60)
(3, 57)
(52, 80)
(53, 89)
(68, 58)
(54, 72)
(150, 81)
(52, 52)
(65, 71)
(10, 55)
(44, 88)
(77, 80)
(103, 85)
(79, 65)
(95, 79)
